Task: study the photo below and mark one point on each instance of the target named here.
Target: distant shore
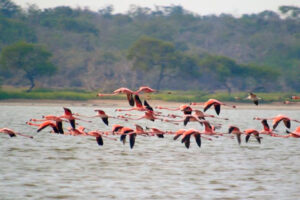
(123, 103)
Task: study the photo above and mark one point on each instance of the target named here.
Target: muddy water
(67, 167)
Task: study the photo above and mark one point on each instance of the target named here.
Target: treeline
(166, 48)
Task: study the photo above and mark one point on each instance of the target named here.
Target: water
(67, 167)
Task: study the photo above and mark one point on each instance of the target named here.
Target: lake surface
(68, 167)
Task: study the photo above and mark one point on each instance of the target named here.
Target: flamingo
(236, 131)
(186, 109)
(100, 114)
(294, 134)
(69, 116)
(129, 93)
(124, 132)
(253, 97)
(98, 136)
(248, 133)
(217, 104)
(77, 131)
(58, 121)
(45, 124)
(277, 119)
(187, 135)
(116, 128)
(145, 89)
(267, 130)
(12, 133)
(295, 97)
(157, 132)
(148, 115)
(138, 105)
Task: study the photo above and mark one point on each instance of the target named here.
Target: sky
(201, 7)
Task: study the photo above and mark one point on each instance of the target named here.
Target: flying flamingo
(58, 121)
(45, 124)
(253, 97)
(76, 131)
(116, 128)
(155, 131)
(295, 97)
(12, 133)
(267, 130)
(248, 133)
(100, 114)
(186, 109)
(294, 134)
(129, 93)
(148, 115)
(128, 131)
(99, 136)
(213, 102)
(186, 135)
(236, 131)
(69, 116)
(138, 105)
(145, 89)
(277, 119)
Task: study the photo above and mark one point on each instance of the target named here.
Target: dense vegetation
(166, 48)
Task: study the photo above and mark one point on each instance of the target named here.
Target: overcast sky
(202, 7)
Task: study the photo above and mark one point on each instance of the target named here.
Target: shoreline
(124, 103)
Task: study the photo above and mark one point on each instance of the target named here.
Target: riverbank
(123, 103)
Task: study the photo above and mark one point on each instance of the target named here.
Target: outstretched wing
(147, 105)
(130, 99)
(138, 101)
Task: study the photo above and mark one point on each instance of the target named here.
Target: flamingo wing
(138, 101)
(148, 107)
(132, 137)
(11, 134)
(207, 106)
(72, 122)
(238, 137)
(198, 139)
(105, 120)
(287, 123)
(258, 138)
(217, 108)
(177, 136)
(60, 127)
(123, 138)
(247, 137)
(99, 140)
(46, 124)
(265, 124)
(130, 99)
(187, 141)
(67, 111)
(186, 120)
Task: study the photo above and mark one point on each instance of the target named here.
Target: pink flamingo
(129, 93)
(12, 133)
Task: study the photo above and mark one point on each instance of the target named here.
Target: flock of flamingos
(189, 114)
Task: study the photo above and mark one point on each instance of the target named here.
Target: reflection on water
(66, 167)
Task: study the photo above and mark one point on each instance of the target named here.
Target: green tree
(8, 8)
(152, 54)
(32, 59)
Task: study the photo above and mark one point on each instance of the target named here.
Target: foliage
(30, 58)
(150, 53)
(8, 8)
(210, 53)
